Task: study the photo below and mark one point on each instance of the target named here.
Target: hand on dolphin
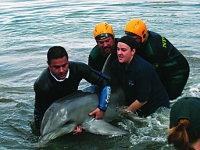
(97, 113)
(78, 129)
(125, 111)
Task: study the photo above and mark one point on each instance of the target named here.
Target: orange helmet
(103, 30)
(136, 27)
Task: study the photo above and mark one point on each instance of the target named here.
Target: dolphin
(65, 114)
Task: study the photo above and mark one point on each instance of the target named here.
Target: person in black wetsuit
(171, 66)
(61, 78)
(106, 44)
(144, 91)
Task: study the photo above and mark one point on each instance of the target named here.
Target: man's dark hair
(56, 52)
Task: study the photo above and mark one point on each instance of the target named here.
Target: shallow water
(28, 28)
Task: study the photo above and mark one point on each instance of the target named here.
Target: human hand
(78, 130)
(123, 110)
(97, 113)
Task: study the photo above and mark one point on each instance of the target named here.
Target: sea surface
(28, 28)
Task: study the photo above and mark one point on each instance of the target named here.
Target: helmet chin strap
(146, 38)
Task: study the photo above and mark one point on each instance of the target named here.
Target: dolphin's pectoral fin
(90, 89)
(102, 127)
(54, 134)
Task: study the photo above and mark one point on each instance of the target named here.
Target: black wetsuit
(171, 66)
(141, 82)
(96, 60)
(48, 90)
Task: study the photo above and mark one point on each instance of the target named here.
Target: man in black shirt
(61, 78)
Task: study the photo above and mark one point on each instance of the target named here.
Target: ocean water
(30, 27)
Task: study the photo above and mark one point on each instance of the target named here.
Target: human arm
(105, 90)
(43, 96)
(83, 71)
(40, 107)
(135, 106)
(103, 103)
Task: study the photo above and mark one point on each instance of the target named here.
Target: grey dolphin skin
(65, 114)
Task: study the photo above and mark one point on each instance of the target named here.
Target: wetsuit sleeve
(38, 110)
(43, 98)
(101, 82)
(105, 89)
(104, 98)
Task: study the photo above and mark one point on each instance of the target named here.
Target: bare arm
(135, 105)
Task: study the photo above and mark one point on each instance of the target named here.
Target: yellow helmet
(103, 30)
(136, 27)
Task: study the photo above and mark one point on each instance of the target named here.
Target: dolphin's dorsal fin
(107, 70)
(107, 66)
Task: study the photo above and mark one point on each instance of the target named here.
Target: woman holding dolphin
(61, 78)
(142, 86)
